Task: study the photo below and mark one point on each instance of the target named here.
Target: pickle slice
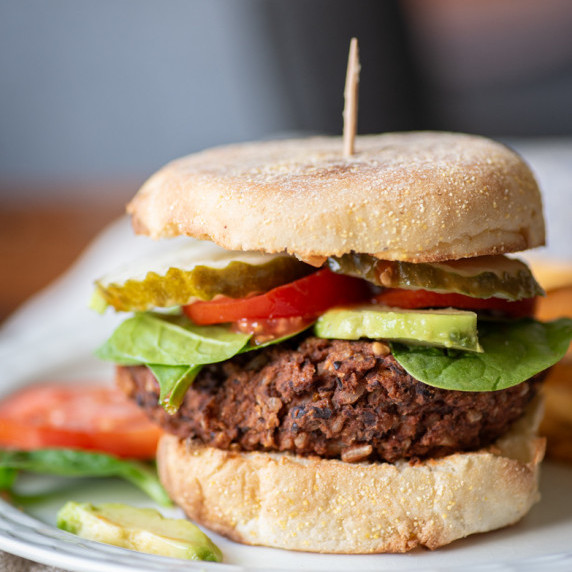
(196, 270)
(479, 277)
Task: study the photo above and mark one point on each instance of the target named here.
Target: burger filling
(332, 398)
(361, 359)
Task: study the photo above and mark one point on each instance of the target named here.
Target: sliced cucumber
(141, 529)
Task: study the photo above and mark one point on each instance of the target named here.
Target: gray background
(115, 88)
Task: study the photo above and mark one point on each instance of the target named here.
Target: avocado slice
(480, 277)
(447, 328)
(141, 529)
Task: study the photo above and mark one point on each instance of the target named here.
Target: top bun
(418, 197)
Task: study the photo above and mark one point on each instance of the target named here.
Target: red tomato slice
(79, 417)
(307, 297)
(402, 298)
(264, 331)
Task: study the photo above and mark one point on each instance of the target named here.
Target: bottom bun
(325, 505)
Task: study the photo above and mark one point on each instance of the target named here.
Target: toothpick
(351, 99)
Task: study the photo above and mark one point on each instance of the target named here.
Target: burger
(341, 355)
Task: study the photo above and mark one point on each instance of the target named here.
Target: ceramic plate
(543, 540)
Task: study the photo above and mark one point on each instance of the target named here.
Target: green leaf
(175, 349)
(73, 463)
(514, 351)
(170, 340)
(7, 478)
(174, 381)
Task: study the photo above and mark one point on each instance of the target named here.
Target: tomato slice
(403, 298)
(79, 417)
(264, 331)
(307, 297)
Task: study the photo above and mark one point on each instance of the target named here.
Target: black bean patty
(332, 398)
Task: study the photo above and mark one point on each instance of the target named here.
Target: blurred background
(96, 95)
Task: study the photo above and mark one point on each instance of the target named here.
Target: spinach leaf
(73, 463)
(7, 477)
(514, 351)
(161, 339)
(174, 349)
(174, 380)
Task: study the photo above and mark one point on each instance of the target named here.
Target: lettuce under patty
(175, 349)
(514, 351)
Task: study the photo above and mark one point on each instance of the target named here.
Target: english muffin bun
(419, 197)
(326, 505)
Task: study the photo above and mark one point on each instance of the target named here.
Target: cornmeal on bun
(351, 364)
(418, 197)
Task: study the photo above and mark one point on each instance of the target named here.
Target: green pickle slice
(140, 529)
(198, 270)
(448, 328)
(479, 277)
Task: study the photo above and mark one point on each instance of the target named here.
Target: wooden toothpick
(351, 99)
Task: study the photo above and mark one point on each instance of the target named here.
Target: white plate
(542, 541)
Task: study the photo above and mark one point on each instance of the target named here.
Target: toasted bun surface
(318, 505)
(417, 197)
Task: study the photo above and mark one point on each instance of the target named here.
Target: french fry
(557, 422)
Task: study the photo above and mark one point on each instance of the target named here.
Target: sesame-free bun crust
(319, 505)
(417, 197)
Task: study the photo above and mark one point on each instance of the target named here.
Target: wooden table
(40, 238)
